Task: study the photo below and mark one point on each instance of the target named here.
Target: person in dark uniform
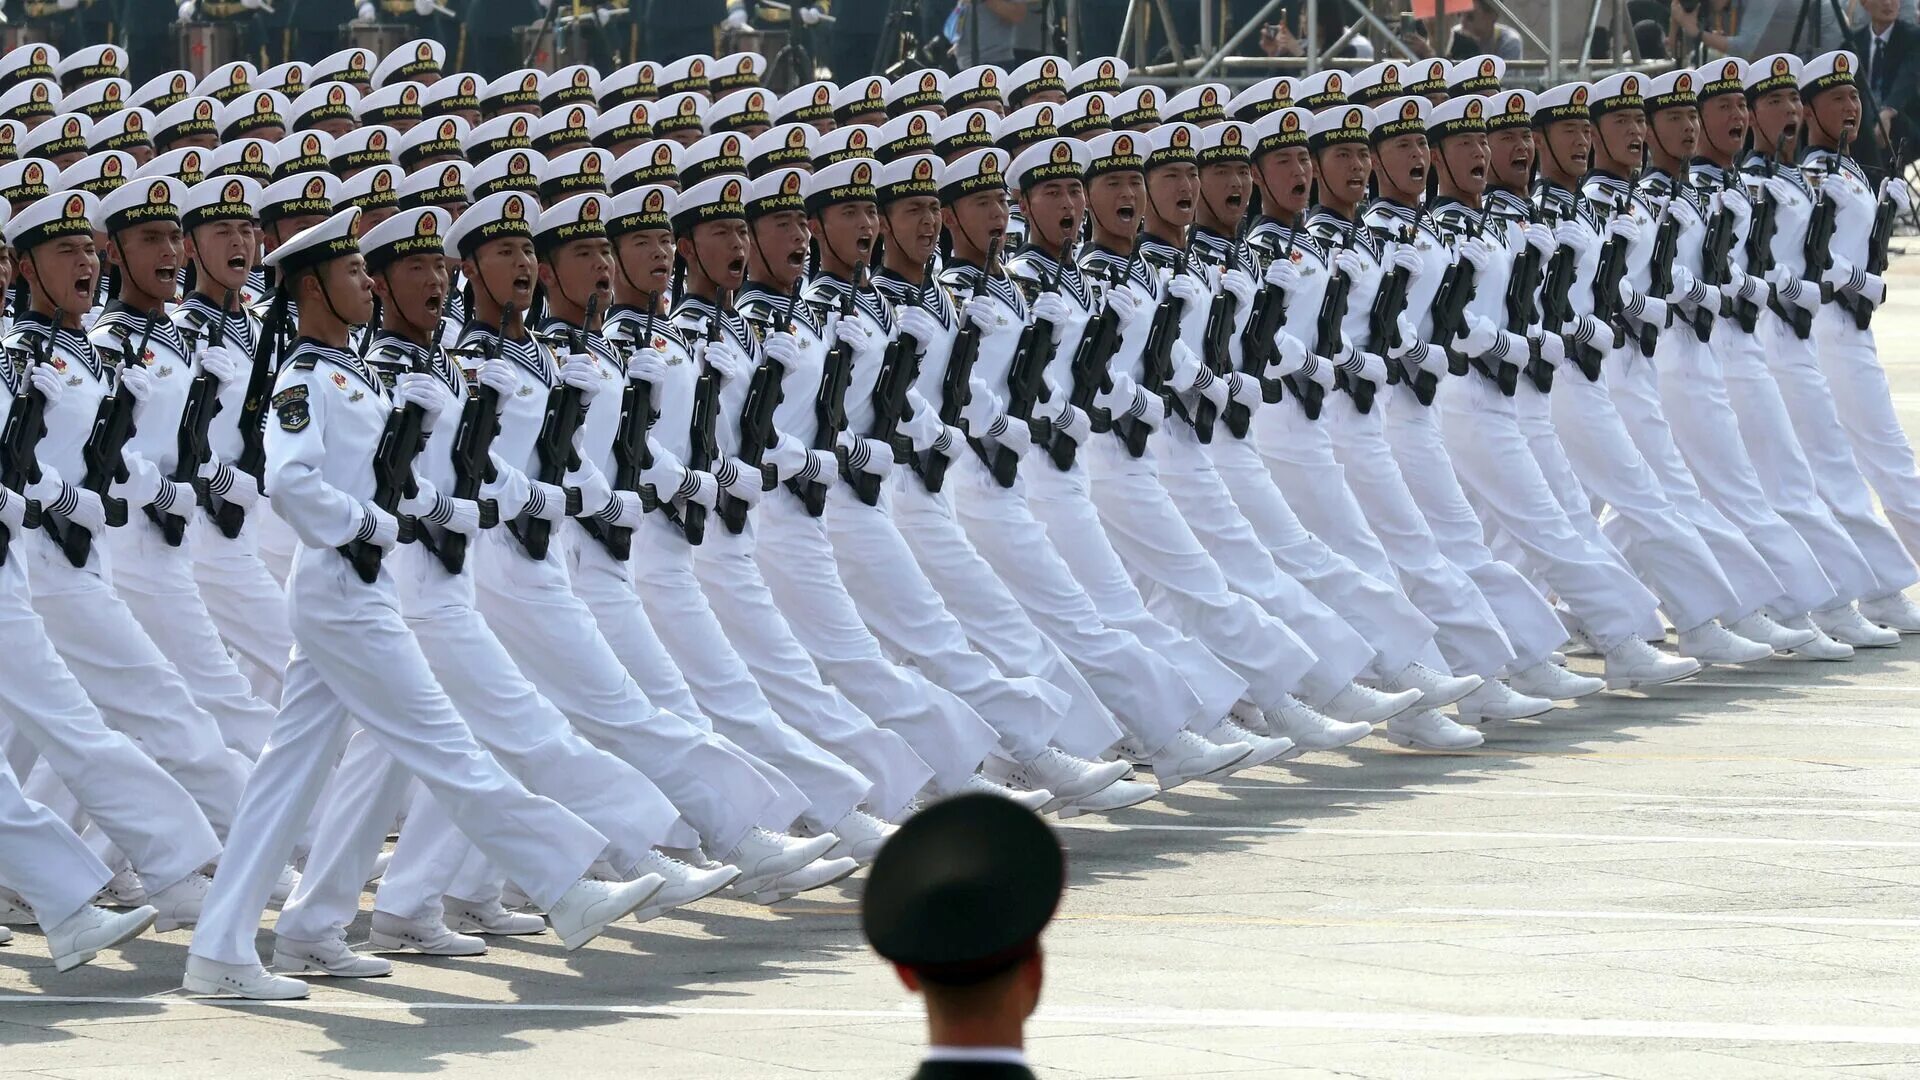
(956, 902)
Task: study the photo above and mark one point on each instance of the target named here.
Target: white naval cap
(223, 198)
(138, 202)
(253, 112)
(569, 85)
(736, 71)
(1826, 72)
(1049, 159)
(976, 86)
(718, 199)
(12, 131)
(574, 172)
(98, 174)
(1567, 101)
(1724, 76)
(502, 215)
(508, 170)
(1379, 82)
(1281, 129)
(1673, 90)
(1401, 116)
(861, 97)
(513, 131)
(102, 97)
(715, 155)
(657, 162)
(1347, 125)
(122, 130)
(226, 82)
(353, 66)
(1086, 114)
(1428, 78)
(69, 213)
(322, 103)
(1137, 107)
(1780, 71)
(974, 172)
(780, 191)
(678, 112)
(456, 93)
(362, 148)
(689, 74)
(317, 244)
(375, 188)
(916, 90)
(411, 62)
(187, 164)
(808, 103)
(1104, 74)
(1617, 92)
(57, 137)
(392, 104)
(189, 118)
(243, 157)
(1226, 142)
(30, 102)
(302, 151)
(1028, 125)
(162, 90)
(90, 64)
(33, 60)
(421, 231)
(846, 141)
(777, 147)
(1321, 90)
(1263, 97)
(908, 133)
(22, 182)
(851, 180)
(910, 177)
(740, 110)
(566, 127)
(1509, 109)
(1199, 105)
(1464, 114)
(430, 141)
(1040, 75)
(965, 131)
(1173, 144)
(643, 209)
(301, 195)
(1116, 151)
(1476, 75)
(289, 78)
(623, 123)
(443, 185)
(623, 86)
(577, 217)
(516, 90)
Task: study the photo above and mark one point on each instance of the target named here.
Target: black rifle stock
(105, 457)
(1027, 385)
(956, 385)
(1333, 312)
(631, 456)
(1092, 375)
(1666, 244)
(830, 407)
(702, 439)
(20, 441)
(472, 446)
(899, 369)
(566, 409)
(1156, 364)
(757, 434)
(230, 517)
(393, 457)
(191, 449)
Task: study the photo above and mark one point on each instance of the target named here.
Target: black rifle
(1878, 242)
(1761, 228)
(566, 409)
(1027, 383)
(230, 517)
(1818, 250)
(899, 368)
(631, 455)
(1156, 364)
(105, 456)
(1666, 245)
(1449, 316)
(191, 450)
(1715, 262)
(703, 444)
(1383, 334)
(20, 441)
(830, 405)
(1257, 349)
(956, 386)
(472, 449)
(757, 434)
(1091, 374)
(400, 443)
(1523, 311)
(1333, 312)
(1215, 349)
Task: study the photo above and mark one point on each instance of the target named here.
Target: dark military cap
(963, 890)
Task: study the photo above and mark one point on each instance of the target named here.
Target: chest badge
(356, 396)
(339, 380)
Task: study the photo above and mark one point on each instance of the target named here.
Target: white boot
(1055, 770)
(1633, 662)
(1362, 705)
(1711, 643)
(489, 917)
(1265, 749)
(764, 856)
(179, 903)
(815, 876)
(1311, 729)
(123, 890)
(590, 906)
(1762, 628)
(329, 957)
(685, 883)
(1553, 682)
(391, 933)
(1436, 688)
(978, 784)
(1429, 730)
(1822, 647)
(82, 935)
(861, 837)
(1113, 797)
(1496, 700)
(251, 981)
(1850, 627)
(1893, 611)
(1187, 756)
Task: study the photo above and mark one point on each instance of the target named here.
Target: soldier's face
(1171, 190)
(1114, 201)
(1621, 138)
(847, 230)
(579, 269)
(1343, 172)
(1836, 109)
(1225, 188)
(1510, 156)
(1054, 211)
(1676, 132)
(1465, 158)
(504, 270)
(981, 218)
(1777, 115)
(415, 289)
(149, 256)
(719, 250)
(1569, 146)
(348, 289)
(1285, 176)
(1724, 121)
(64, 271)
(912, 227)
(6, 268)
(645, 259)
(291, 226)
(781, 242)
(1402, 162)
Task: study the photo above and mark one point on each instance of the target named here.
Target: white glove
(1283, 274)
(1190, 291)
(48, 382)
(1215, 389)
(727, 359)
(736, 20)
(983, 311)
(1321, 371)
(1405, 257)
(547, 502)
(1623, 226)
(811, 16)
(1011, 434)
(137, 380)
(1896, 188)
(787, 456)
(1241, 286)
(498, 375)
(595, 492)
(700, 488)
(1741, 209)
(869, 456)
(1801, 294)
(854, 333)
(1683, 285)
(1553, 348)
(1570, 234)
(981, 408)
(1736, 284)
(1074, 424)
(1126, 304)
(1785, 192)
(426, 391)
(385, 527)
(648, 366)
(1477, 336)
(917, 324)
(780, 347)
(825, 464)
(1050, 307)
(456, 515)
(1540, 238)
(221, 362)
(582, 373)
(1476, 252)
(740, 480)
(1187, 370)
(1409, 338)
(142, 484)
(1351, 263)
(1289, 355)
(1118, 397)
(87, 512)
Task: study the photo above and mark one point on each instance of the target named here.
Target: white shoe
(764, 856)
(1311, 729)
(978, 784)
(123, 890)
(490, 918)
(1429, 730)
(1496, 700)
(1761, 627)
(6, 935)
(1249, 716)
(179, 903)
(391, 933)
(685, 883)
(1711, 643)
(1436, 688)
(1823, 647)
(590, 906)
(1265, 750)
(1110, 798)
(861, 836)
(1553, 682)
(1055, 770)
(1850, 627)
(1189, 757)
(329, 957)
(1895, 612)
(288, 881)
(250, 981)
(14, 909)
(1363, 705)
(82, 935)
(1633, 662)
(817, 876)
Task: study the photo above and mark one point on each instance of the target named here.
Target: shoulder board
(305, 362)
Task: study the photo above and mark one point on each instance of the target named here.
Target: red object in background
(1426, 9)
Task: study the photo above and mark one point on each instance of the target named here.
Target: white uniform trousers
(1375, 608)
(1837, 475)
(720, 789)
(1063, 502)
(273, 540)
(743, 661)
(43, 859)
(795, 559)
(158, 586)
(1707, 431)
(1636, 390)
(129, 679)
(248, 604)
(1780, 466)
(356, 659)
(1496, 465)
(911, 621)
(1201, 495)
(1179, 579)
(432, 860)
(996, 567)
(44, 714)
(1850, 360)
(1661, 544)
(1470, 636)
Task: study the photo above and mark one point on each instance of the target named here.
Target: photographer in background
(1479, 32)
(1889, 51)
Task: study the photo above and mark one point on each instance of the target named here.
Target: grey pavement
(1719, 879)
